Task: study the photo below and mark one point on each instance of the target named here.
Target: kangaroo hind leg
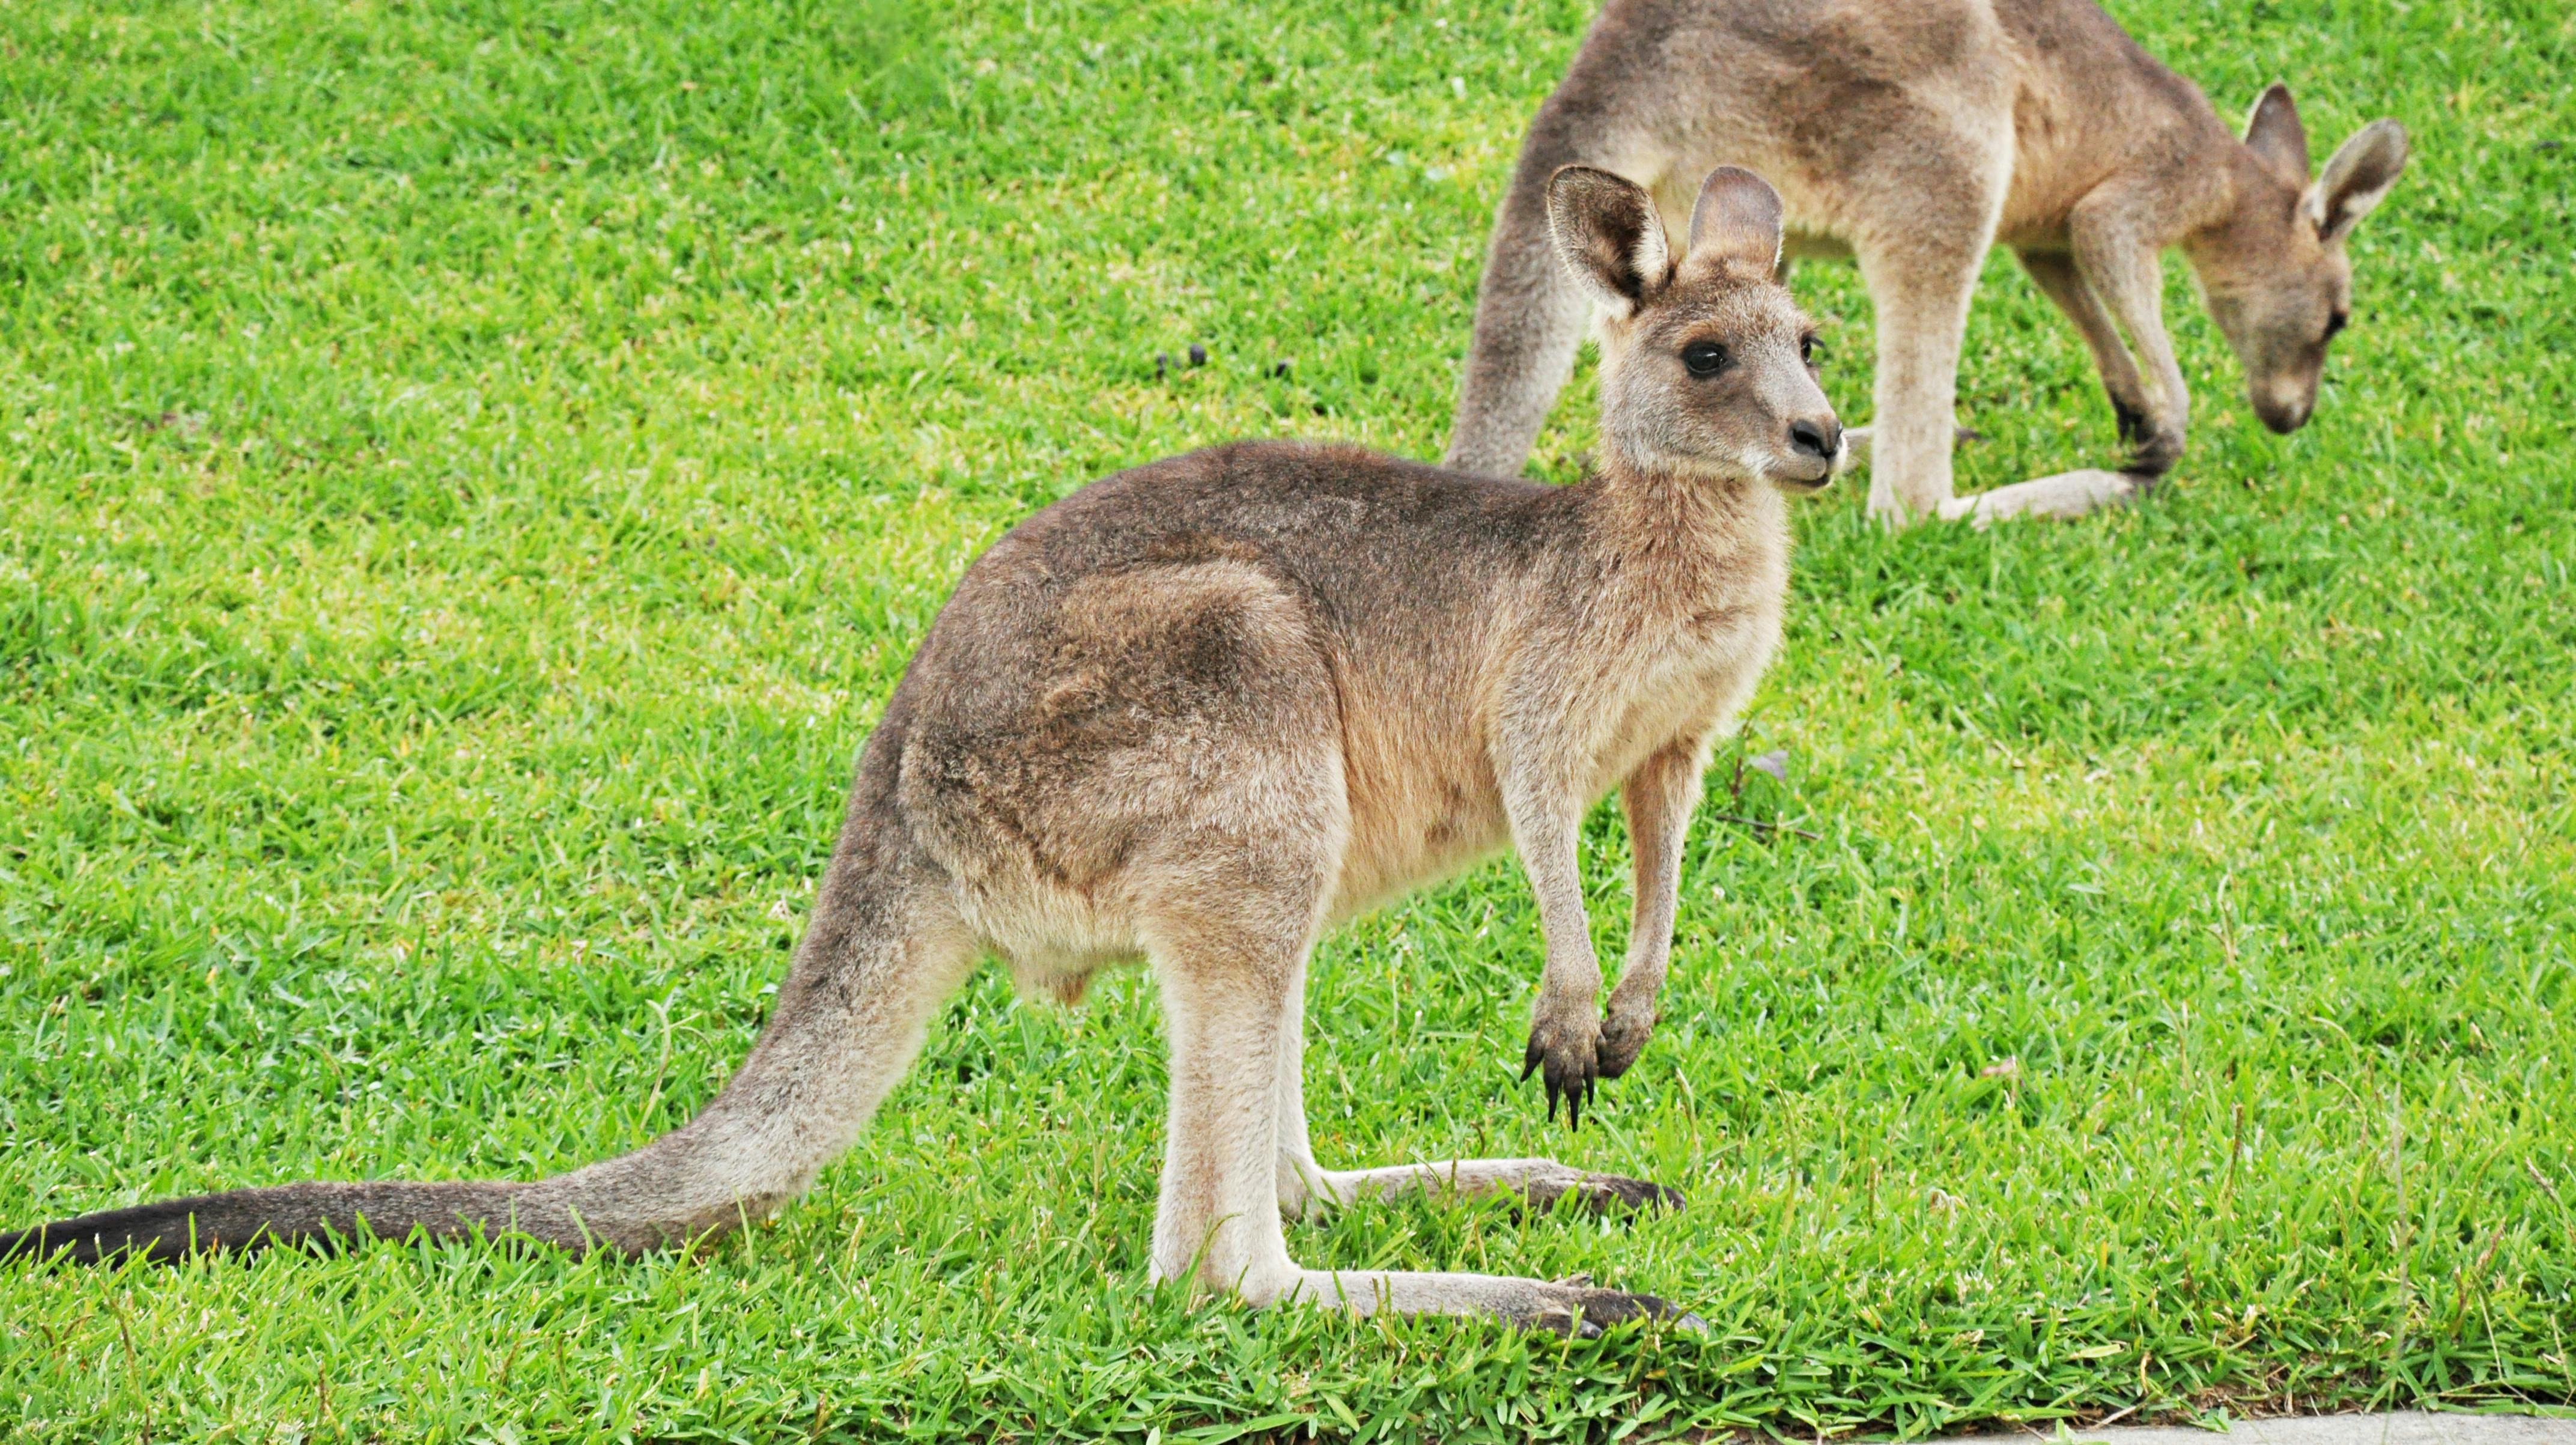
(1307, 1189)
(1227, 990)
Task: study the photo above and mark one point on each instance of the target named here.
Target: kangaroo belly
(1423, 805)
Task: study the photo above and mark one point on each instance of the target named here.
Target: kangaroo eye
(1704, 358)
(1810, 350)
(2336, 323)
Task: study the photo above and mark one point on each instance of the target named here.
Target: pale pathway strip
(2411, 1427)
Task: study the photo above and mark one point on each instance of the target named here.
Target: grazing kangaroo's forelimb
(2112, 282)
(1658, 798)
(2127, 272)
(881, 953)
(2061, 281)
(1529, 313)
(2072, 494)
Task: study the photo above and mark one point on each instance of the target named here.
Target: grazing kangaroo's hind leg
(1529, 313)
(1921, 288)
(880, 955)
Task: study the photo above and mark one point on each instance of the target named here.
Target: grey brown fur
(1203, 710)
(1914, 135)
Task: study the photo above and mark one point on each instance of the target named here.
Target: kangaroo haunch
(1199, 712)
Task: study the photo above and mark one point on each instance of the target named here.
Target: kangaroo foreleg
(2061, 281)
(2128, 275)
(2108, 285)
(1307, 1189)
(1658, 798)
(1565, 1023)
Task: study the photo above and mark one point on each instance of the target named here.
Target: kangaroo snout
(2284, 416)
(1818, 441)
(1816, 438)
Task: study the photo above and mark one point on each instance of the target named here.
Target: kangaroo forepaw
(1585, 1313)
(1623, 1037)
(1566, 1053)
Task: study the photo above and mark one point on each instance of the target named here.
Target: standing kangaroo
(1914, 134)
(1203, 710)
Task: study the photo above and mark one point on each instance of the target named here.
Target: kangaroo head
(1707, 365)
(2274, 270)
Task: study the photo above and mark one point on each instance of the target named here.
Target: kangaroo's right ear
(2357, 175)
(1607, 231)
(1737, 218)
(2273, 133)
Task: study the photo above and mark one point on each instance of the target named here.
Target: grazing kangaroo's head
(1707, 365)
(2274, 270)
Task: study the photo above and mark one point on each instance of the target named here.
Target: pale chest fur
(1687, 673)
(1664, 658)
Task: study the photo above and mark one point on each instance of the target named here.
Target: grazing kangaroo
(1914, 134)
(1202, 710)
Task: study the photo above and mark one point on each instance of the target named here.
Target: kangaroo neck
(2247, 209)
(1676, 537)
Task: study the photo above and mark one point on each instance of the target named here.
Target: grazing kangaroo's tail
(882, 951)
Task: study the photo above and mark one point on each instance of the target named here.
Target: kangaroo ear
(1607, 231)
(2356, 177)
(1737, 218)
(2273, 132)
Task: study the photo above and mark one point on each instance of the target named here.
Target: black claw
(1529, 1061)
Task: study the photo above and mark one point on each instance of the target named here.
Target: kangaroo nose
(1818, 440)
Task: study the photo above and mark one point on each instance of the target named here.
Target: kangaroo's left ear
(2361, 172)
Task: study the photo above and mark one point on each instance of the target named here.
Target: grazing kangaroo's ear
(2273, 132)
(1608, 233)
(1737, 218)
(2358, 174)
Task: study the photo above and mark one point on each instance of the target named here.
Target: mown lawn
(473, 472)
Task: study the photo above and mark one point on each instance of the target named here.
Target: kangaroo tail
(248, 1220)
(882, 951)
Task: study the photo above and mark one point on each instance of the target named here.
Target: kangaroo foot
(2065, 495)
(1602, 1193)
(1584, 1312)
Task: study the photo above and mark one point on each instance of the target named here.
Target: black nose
(1817, 439)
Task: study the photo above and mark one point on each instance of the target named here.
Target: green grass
(473, 471)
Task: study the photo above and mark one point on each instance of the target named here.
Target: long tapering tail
(247, 1220)
(880, 954)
